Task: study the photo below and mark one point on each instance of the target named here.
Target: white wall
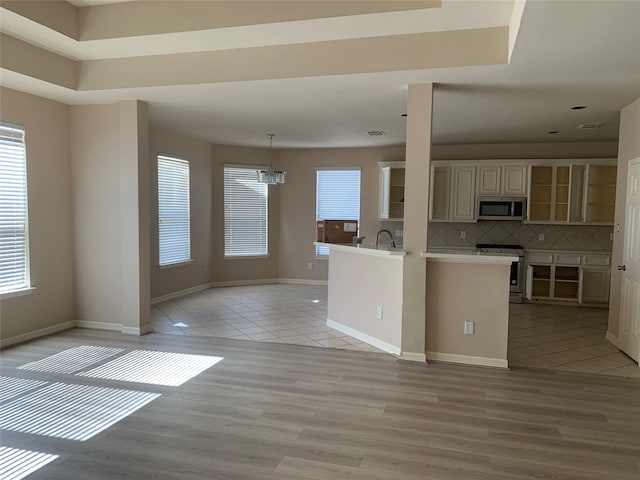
(50, 222)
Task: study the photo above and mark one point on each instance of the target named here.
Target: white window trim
(17, 293)
(27, 288)
(179, 264)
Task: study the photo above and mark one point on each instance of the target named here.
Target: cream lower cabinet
(453, 194)
(568, 277)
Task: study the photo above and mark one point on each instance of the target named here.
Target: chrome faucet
(393, 243)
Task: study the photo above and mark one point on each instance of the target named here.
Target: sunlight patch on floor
(16, 463)
(74, 412)
(157, 368)
(72, 360)
(12, 387)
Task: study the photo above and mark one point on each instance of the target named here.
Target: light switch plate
(468, 327)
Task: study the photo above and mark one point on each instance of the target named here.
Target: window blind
(337, 197)
(245, 213)
(14, 251)
(173, 210)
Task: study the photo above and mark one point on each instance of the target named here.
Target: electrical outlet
(468, 327)
(379, 313)
(310, 266)
(399, 233)
(463, 234)
(541, 237)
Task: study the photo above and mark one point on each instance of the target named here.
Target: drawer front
(539, 258)
(568, 258)
(597, 260)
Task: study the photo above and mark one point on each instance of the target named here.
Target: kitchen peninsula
(366, 302)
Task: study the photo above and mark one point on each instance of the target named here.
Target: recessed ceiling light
(579, 107)
(553, 132)
(375, 133)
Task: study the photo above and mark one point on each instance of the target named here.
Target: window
(245, 213)
(337, 197)
(14, 238)
(173, 210)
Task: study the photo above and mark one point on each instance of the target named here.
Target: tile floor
(540, 336)
(278, 313)
(565, 338)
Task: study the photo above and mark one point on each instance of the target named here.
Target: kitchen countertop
(365, 249)
(470, 257)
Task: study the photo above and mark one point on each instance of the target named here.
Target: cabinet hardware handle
(622, 267)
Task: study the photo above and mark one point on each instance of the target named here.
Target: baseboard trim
(467, 359)
(613, 339)
(180, 293)
(135, 330)
(413, 357)
(241, 283)
(234, 283)
(116, 327)
(363, 337)
(41, 332)
(302, 281)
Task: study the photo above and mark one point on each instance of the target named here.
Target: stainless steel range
(516, 279)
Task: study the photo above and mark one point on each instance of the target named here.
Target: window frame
(189, 259)
(26, 287)
(254, 255)
(319, 248)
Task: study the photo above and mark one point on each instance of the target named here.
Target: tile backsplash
(595, 238)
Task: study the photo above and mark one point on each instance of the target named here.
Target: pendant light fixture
(271, 176)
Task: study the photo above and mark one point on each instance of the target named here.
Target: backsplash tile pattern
(596, 238)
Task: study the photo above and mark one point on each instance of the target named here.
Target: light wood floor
(270, 411)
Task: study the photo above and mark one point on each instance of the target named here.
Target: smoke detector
(375, 133)
(589, 126)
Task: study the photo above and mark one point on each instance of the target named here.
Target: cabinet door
(463, 195)
(489, 180)
(601, 193)
(595, 285)
(514, 180)
(440, 189)
(385, 188)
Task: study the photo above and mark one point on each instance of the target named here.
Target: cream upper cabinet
(463, 198)
(489, 179)
(502, 179)
(514, 179)
(391, 191)
(453, 196)
(572, 193)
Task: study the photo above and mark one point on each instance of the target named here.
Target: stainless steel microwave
(501, 208)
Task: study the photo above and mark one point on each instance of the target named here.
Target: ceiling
(321, 73)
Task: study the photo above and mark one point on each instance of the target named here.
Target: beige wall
(629, 149)
(298, 202)
(109, 156)
(198, 152)
(461, 291)
(236, 269)
(525, 150)
(50, 223)
(358, 283)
